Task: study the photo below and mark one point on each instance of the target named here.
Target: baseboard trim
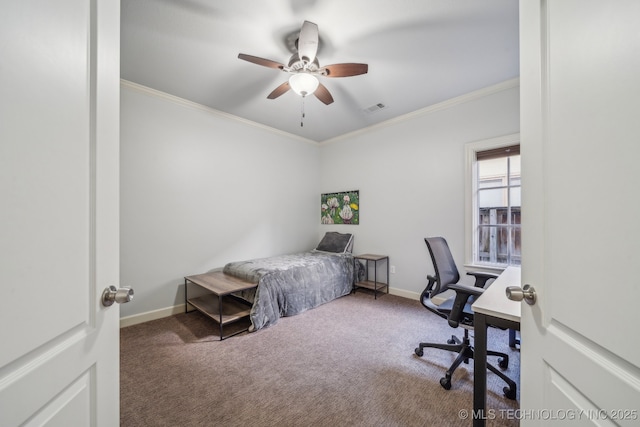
(404, 293)
(151, 315)
(177, 309)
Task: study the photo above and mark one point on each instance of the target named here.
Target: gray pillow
(335, 242)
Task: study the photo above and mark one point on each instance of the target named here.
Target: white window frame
(471, 202)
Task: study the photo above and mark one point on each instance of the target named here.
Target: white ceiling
(420, 53)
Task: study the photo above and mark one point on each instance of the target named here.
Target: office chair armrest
(481, 278)
(466, 290)
(463, 292)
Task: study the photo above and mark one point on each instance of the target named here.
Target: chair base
(465, 352)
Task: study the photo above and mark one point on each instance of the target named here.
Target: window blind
(512, 150)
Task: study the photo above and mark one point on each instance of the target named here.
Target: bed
(291, 284)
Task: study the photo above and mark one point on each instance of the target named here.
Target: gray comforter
(291, 284)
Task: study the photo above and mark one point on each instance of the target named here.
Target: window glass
(497, 207)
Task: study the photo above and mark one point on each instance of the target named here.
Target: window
(493, 208)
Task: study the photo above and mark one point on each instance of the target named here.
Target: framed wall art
(340, 208)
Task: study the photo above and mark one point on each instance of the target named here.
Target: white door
(59, 137)
(580, 129)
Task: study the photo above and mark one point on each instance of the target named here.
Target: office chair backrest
(443, 263)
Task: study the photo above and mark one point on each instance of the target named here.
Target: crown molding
(462, 99)
(190, 104)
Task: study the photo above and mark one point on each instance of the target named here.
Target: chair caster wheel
(509, 393)
(451, 341)
(446, 383)
(503, 363)
(419, 352)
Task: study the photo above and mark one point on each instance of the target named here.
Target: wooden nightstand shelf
(219, 285)
(374, 284)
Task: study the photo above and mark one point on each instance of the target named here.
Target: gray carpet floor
(350, 362)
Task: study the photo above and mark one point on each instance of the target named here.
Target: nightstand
(219, 285)
(374, 284)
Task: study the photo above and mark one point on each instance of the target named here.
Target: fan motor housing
(296, 64)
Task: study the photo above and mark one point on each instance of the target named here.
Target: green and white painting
(340, 208)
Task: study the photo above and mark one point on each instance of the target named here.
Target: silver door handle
(516, 293)
(119, 295)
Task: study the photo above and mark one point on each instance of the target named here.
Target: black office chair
(457, 310)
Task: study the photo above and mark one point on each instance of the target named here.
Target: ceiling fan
(305, 68)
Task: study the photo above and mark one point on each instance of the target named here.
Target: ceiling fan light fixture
(303, 84)
(304, 67)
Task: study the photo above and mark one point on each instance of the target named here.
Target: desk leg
(513, 340)
(480, 370)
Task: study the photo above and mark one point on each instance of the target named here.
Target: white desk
(494, 301)
(491, 308)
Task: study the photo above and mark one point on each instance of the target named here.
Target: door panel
(579, 98)
(46, 172)
(71, 407)
(590, 376)
(593, 68)
(59, 107)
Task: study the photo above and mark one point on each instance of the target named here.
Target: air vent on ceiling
(375, 107)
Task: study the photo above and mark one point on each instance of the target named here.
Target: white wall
(410, 173)
(200, 189)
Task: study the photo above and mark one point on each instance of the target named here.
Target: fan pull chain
(302, 113)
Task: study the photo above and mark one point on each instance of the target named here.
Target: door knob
(119, 295)
(516, 293)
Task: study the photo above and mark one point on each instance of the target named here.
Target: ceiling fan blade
(308, 42)
(261, 61)
(345, 70)
(284, 87)
(323, 94)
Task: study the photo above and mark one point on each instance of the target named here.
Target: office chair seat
(457, 310)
